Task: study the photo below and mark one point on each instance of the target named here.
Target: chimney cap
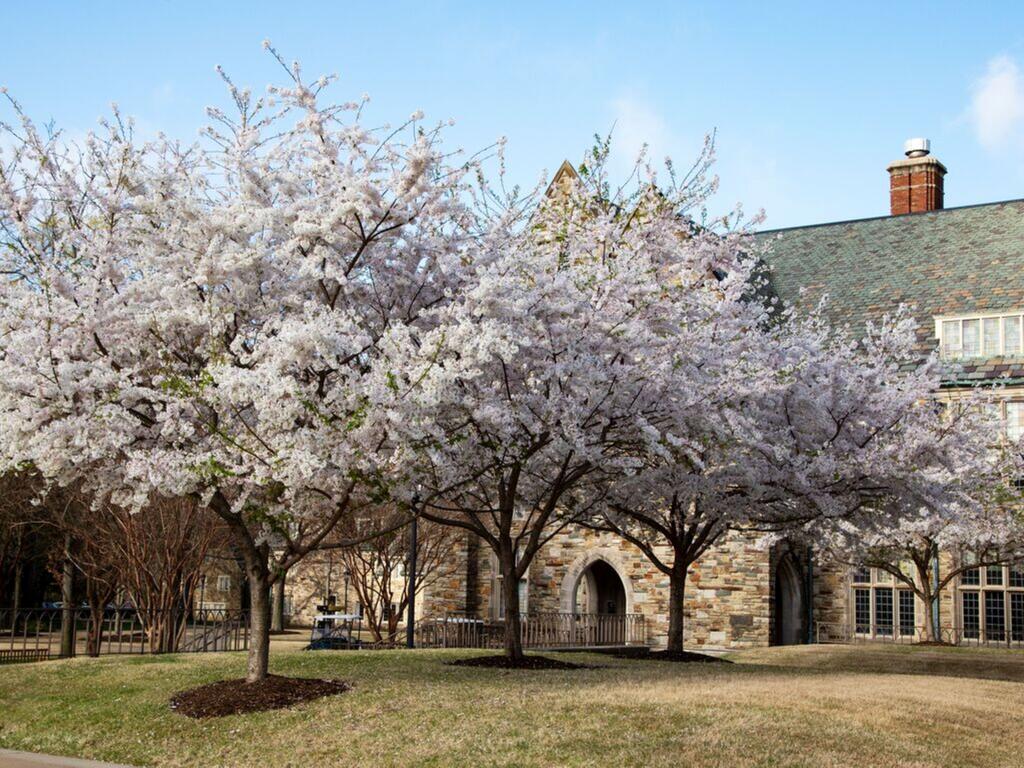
(917, 147)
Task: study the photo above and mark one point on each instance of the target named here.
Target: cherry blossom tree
(203, 319)
(544, 374)
(796, 424)
(972, 512)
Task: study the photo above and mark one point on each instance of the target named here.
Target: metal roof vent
(916, 147)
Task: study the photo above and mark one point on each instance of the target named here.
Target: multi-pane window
(223, 583)
(995, 615)
(862, 610)
(1017, 616)
(881, 608)
(970, 614)
(1014, 419)
(991, 603)
(1009, 414)
(980, 336)
(1016, 576)
(883, 611)
(907, 617)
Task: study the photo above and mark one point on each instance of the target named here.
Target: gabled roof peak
(565, 174)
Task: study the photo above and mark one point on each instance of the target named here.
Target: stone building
(962, 270)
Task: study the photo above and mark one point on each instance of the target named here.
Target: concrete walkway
(11, 759)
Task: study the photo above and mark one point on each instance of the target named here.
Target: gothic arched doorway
(788, 602)
(600, 590)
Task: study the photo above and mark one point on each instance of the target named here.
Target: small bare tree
(378, 570)
(161, 550)
(16, 516)
(152, 557)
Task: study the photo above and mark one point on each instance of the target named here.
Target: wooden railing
(539, 630)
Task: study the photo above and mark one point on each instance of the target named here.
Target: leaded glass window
(862, 611)
(990, 335)
(908, 624)
(970, 614)
(992, 605)
(883, 611)
(995, 615)
(1017, 616)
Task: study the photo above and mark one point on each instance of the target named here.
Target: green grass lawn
(807, 706)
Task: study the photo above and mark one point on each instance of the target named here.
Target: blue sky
(810, 101)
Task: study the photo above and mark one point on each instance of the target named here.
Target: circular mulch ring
(683, 657)
(528, 662)
(236, 697)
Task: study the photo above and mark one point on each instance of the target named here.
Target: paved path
(11, 759)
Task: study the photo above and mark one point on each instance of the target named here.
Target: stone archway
(599, 578)
(788, 602)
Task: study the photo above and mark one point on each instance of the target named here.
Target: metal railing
(38, 633)
(836, 632)
(539, 630)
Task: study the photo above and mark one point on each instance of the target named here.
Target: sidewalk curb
(12, 759)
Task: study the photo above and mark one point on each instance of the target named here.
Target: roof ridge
(903, 216)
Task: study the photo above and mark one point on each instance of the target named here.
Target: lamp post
(347, 572)
(410, 623)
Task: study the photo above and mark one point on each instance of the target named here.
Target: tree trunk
(16, 595)
(259, 635)
(513, 622)
(94, 634)
(257, 569)
(924, 578)
(67, 596)
(676, 598)
(929, 619)
(277, 616)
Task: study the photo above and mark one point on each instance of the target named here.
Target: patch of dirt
(684, 657)
(528, 662)
(235, 697)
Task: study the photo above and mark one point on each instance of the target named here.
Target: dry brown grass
(811, 706)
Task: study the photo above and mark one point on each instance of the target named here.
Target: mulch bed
(235, 697)
(683, 657)
(529, 662)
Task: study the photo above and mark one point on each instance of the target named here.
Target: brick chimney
(915, 183)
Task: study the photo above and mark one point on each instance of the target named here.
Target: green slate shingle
(953, 261)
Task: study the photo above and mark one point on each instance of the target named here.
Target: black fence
(41, 633)
(909, 634)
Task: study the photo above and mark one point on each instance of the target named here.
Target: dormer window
(972, 336)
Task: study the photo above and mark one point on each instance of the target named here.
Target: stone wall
(727, 601)
(730, 600)
(221, 570)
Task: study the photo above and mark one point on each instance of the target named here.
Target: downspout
(809, 594)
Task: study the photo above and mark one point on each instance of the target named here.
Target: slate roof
(952, 261)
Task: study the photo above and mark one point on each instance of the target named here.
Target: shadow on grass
(916, 661)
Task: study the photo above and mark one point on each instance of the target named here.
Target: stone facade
(742, 593)
(728, 592)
